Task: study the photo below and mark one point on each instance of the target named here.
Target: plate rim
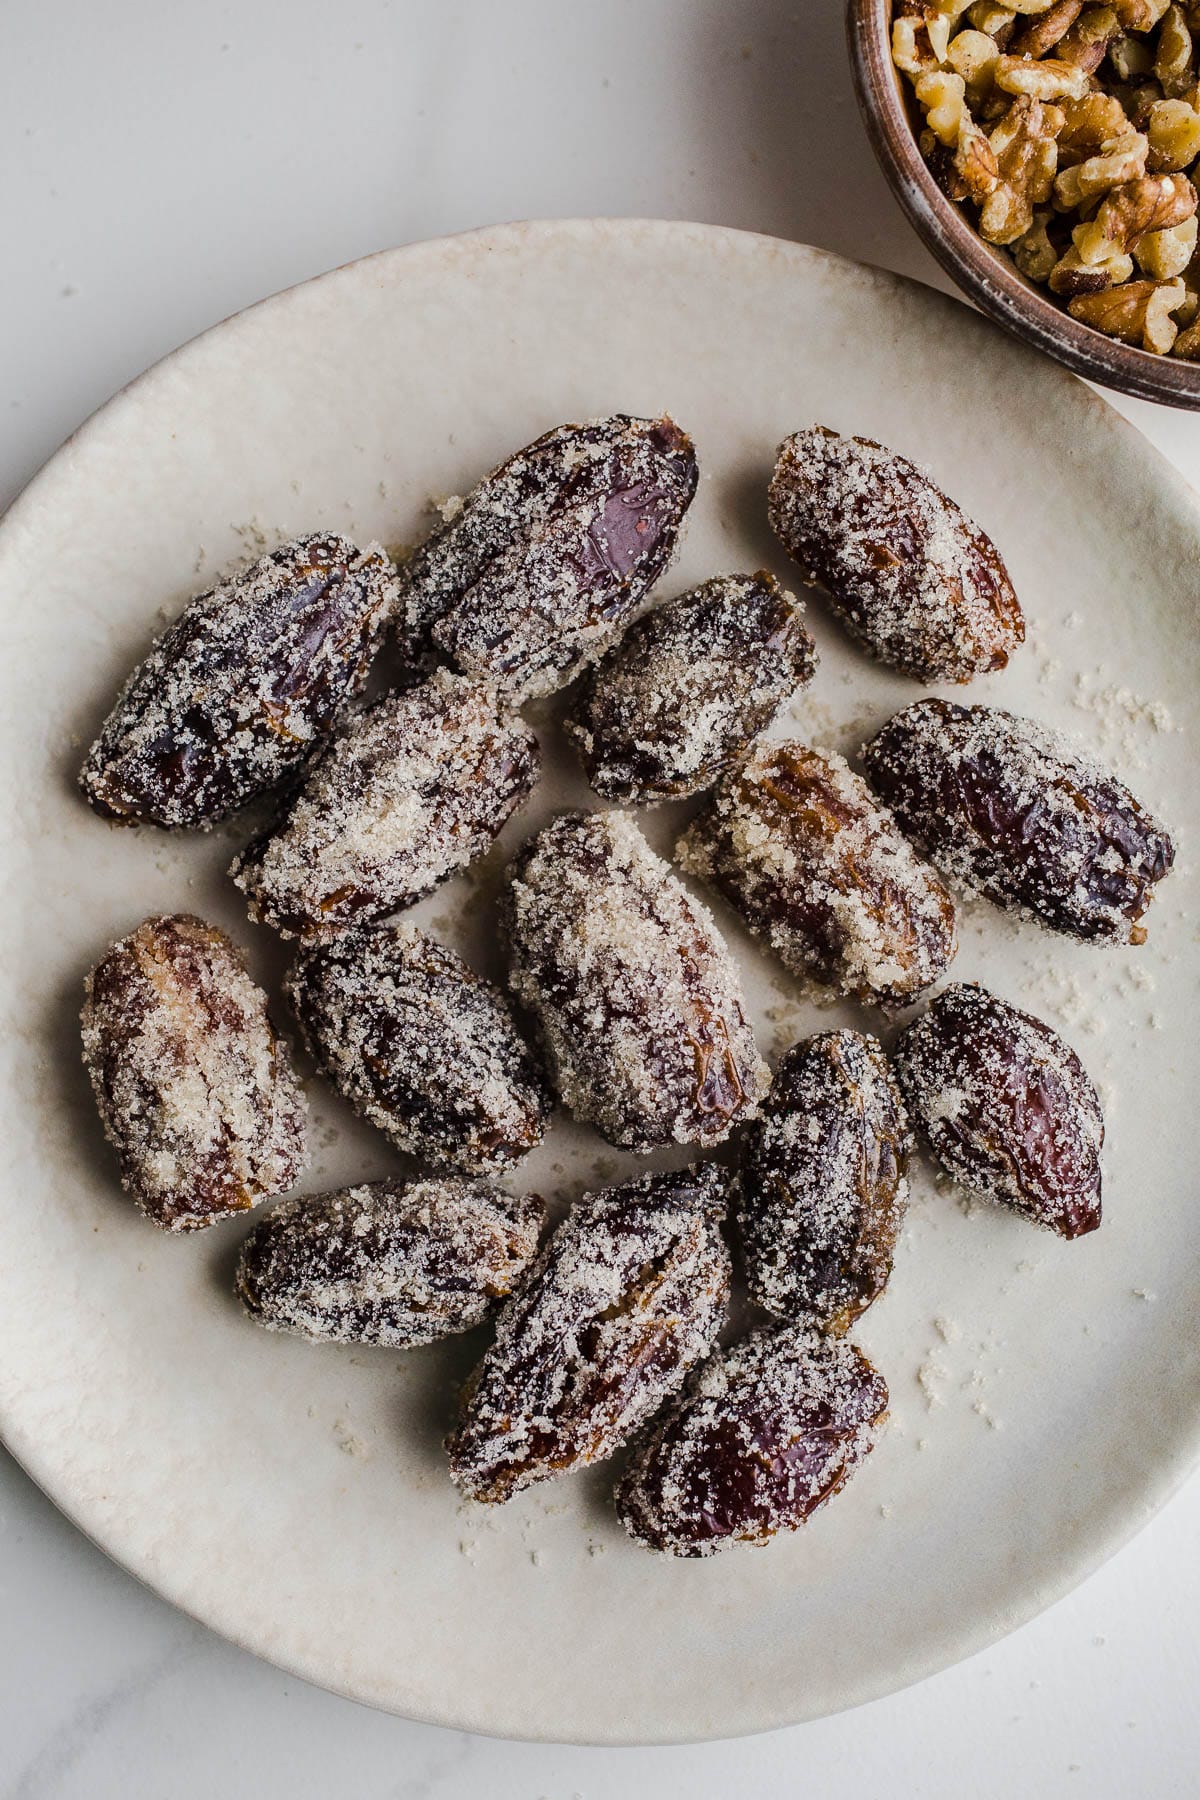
(1131, 1507)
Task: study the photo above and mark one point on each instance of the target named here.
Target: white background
(161, 166)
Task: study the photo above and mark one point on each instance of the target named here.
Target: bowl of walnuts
(1046, 152)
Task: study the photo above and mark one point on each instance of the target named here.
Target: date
(195, 1091)
(628, 1294)
(909, 575)
(544, 564)
(822, 1183)
(641, 1012)
(1017, 812)
(798, 845)
(421, 1046)
(689, 687)
(1006, 1107)
(235, 695)
(392, 1263)
(415, 789)
(766, 1433)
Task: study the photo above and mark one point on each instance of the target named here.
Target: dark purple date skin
(1006, 1107)
(664, 714)
(628, 1294)
(234, 696)
(822, 1184)
(415, 788)
(641, 1013)
(551, 555)
(196, 1093)
(908, 573)
(1020, 814)
(796, 842)
(393, 1263)
(421, 1046)
(765, 1433)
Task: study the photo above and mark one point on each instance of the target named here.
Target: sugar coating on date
(1016, 811)
(795, 841)
(909, 574)
(543, 565)
(627, 1295)
(195, 1091)
(393, 1263)
(420, 1045)
(235, 694)
(822, 1184)
(638, 1000)
(1006, 1107)
(763, 1435)
(689, 686)
(415, 789)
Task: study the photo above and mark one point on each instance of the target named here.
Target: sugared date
(416, 788)
(1006, 1107)
(822, 1187)
(688, 687)
(765, 1433)
(421, 1046)
(797, 844)
(1017, 812)
(907, 572)
(628, 1294)
(195, 1091)
(236, 694)
(392, 1263)
(641, 1011)
(543, 565)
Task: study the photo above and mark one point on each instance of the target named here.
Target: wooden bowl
(984, 273)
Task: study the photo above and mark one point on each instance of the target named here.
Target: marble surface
(159, 170)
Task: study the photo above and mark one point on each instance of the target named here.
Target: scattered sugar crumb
(1065, 997)
(252, 534)
(1123, 718)
(930, 1373)
(349, 1441)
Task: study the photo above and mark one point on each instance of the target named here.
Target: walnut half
(1151, 203)
(1026, 158)
(1138, 312)
(1071, 275)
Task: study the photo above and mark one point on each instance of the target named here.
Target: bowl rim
(978, 269)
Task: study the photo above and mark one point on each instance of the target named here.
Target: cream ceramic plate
(1046, 1396)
